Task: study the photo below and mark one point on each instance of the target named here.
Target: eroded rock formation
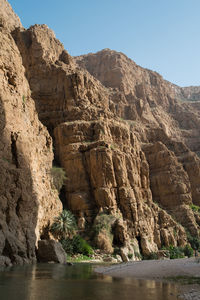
(128, 145)
(28, 203)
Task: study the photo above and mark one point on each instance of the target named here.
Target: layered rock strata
(128, 145)
(105, 166)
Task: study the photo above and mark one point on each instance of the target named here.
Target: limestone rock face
(107, 159)
(189, 93)
(27, 202)
(167, 128)
(128, 145)
(61, 90)
(8, 19)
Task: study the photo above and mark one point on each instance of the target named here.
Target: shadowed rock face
(27, 202)
(128, 146)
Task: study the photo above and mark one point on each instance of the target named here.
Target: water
(78, 282)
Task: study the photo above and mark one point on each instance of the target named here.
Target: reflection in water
(61, 282)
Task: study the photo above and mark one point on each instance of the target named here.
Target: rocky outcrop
(61, 90)
(51, 251)
(8, 19)
(128, 145)
(107, 170)
(27, 202)
(189, 93)
(167, 128)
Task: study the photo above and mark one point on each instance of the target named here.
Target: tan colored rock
(120, 134)
(124, 254)
(27, 202)
(8, 19)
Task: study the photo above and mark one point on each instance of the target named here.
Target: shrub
(130, 255)
(153, 255)
(103, 221)
(64, 225)
(76, 245)
(116, 251)
(81, 246)
(175, 252)
(194, 241)
(58, 177)
(67, 245)
(23, 102)
(188, 251)
(102, 231)
(195, 208)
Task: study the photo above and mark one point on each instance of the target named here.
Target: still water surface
(78, 282)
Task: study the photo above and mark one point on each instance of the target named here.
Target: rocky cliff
(28, 203)
(128, 145)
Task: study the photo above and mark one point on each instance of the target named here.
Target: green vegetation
(78, 258)
(194, 241)
(58, 177)
(113, 146)
(179, 252)
(116, 251)
(130, 255)
(188, 251)
(76, 245)
(174, 252)
(64, 228)
(23, 101)
(195, 208)
(153, 255)
(102, 222)
(64, 225)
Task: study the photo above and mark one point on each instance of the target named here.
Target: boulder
(50, 250)
(124, 254)
(5, 261)
(163, 254)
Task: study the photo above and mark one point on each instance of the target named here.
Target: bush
(81, 246)
(58, 177)
(103, 221)
(175, 252)
(195, 208)
(116, 251)
(67, 246)
(153, 255)
(76, 245)
(188, 251)
(130, 255)
(194, 241)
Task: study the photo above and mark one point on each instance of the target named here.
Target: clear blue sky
(162, 35)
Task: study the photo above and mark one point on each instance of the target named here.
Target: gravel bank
(159, 270)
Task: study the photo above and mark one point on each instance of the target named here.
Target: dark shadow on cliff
(18, 202)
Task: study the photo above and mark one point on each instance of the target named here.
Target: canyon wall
(28, 203)
(128, 145)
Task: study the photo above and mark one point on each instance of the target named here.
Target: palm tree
(64, 225)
